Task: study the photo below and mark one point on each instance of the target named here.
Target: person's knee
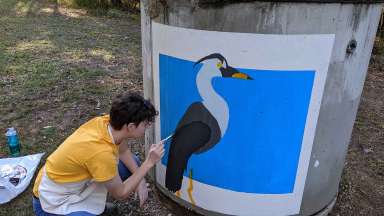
(124, 172)
(137, 159)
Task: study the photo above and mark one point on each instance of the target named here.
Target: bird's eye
(219, 64)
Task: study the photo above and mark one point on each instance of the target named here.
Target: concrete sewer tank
(260, 97)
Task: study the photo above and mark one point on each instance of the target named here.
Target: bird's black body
(196, 132)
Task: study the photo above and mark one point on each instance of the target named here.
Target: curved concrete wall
(354, 26)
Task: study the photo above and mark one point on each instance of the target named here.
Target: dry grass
(60, 67)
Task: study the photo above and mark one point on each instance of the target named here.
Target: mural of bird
(204, 123)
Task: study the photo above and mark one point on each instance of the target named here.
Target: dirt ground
(60, 67)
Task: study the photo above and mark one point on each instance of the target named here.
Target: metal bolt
(351, 46)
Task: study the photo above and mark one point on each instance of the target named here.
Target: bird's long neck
(211, 100)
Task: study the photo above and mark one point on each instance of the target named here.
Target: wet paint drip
(190, 188)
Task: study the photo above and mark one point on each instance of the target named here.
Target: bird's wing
(187, 140)
(197, 112)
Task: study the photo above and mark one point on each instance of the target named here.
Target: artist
(96, 160)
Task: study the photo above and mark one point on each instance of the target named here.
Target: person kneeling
(95, 160)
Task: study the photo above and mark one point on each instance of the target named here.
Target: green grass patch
(48, 131)
(3, 57)
(41, 75)
(82, 73)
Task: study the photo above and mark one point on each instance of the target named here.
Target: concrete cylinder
(353, 24)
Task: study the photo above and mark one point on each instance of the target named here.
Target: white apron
(64, 198)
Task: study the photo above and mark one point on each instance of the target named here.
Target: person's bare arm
(120, 190)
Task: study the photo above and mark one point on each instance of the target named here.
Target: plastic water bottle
(13, 142)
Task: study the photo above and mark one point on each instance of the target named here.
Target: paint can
(351, 24)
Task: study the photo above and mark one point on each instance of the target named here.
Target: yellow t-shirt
(88, 153)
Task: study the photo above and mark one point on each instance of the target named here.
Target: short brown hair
(131, 107)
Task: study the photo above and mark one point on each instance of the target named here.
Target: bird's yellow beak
(241, 76)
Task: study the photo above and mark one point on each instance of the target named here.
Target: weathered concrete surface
(220, 3)
(354, 24)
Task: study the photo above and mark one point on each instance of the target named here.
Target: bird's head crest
(212, 56)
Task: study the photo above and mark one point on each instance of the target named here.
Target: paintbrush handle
(168, 137)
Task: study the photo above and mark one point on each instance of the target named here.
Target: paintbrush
(166, 139)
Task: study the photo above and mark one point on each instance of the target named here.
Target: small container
(13, 142)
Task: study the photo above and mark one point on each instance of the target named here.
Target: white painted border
(253, 51)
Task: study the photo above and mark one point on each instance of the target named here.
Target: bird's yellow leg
(178, 193)
(190, 188)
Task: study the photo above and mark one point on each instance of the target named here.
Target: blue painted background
(259, 152)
